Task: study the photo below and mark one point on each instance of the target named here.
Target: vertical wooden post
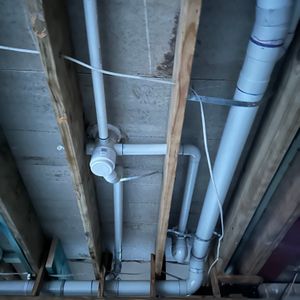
(184, 54)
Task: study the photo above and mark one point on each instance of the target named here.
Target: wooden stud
(50, 25)
(270, 230)
(17, 210)
(184, 53)
(278, 130)
(152, 278)
(214, 280)
(38, 283)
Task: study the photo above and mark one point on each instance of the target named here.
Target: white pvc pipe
(118, 223)
(265, 46)
(161, 149)
(93, 38)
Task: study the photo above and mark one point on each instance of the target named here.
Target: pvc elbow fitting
(192, 151)
(179, 249)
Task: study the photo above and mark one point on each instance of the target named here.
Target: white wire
(115, 73)
(213, 182)
(19, 50)
(12, 273)
(147, 36)
(138, 176)
(291, 286)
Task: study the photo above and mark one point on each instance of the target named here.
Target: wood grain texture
(183, 59)
(50, 25)
(39, 280)
(152, 277)
(17, 210)
(276, 134)
(213, 276)
(279, 216)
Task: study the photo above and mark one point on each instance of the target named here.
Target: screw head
(60, 148)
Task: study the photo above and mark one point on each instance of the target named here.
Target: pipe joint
(192, 151)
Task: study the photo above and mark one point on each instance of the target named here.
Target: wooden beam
(50, 25)
(17, 210)
(213, 276)
(39, 280)
(278, 130)
(152, 277)
(183, 59)
(279, 216)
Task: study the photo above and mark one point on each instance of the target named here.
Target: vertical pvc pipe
(118, 220)
(188, 193)
(93, 37)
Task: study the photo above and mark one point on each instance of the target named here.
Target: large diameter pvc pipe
(93, 38)
(265, 46)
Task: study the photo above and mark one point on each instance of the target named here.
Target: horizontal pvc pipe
(93, 38)
(155, 149)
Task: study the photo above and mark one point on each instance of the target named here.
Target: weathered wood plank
(214, 279)
(40, 275)
(279, 216)
(17, 210)
(184, 53)
(152, 277)
(278, 130)
(50, 25)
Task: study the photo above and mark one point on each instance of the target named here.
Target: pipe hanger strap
(222, 101)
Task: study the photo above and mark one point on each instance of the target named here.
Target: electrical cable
(116, 74)
(147, 36)
(288, 288)
(212, 180)
(22, 50)
(13, 273)
(66, 57)
(138, 176)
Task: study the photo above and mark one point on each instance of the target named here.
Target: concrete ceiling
(140, 109)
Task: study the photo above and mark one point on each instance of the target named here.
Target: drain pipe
(93, 38)
(179, 242)
(118, 221)
(264, 48)
(103, 158)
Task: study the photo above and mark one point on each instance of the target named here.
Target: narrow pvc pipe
(93, 38)
(188, 193)
(118, 223)
(161, 149)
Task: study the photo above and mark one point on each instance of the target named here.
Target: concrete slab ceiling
(139, 108)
